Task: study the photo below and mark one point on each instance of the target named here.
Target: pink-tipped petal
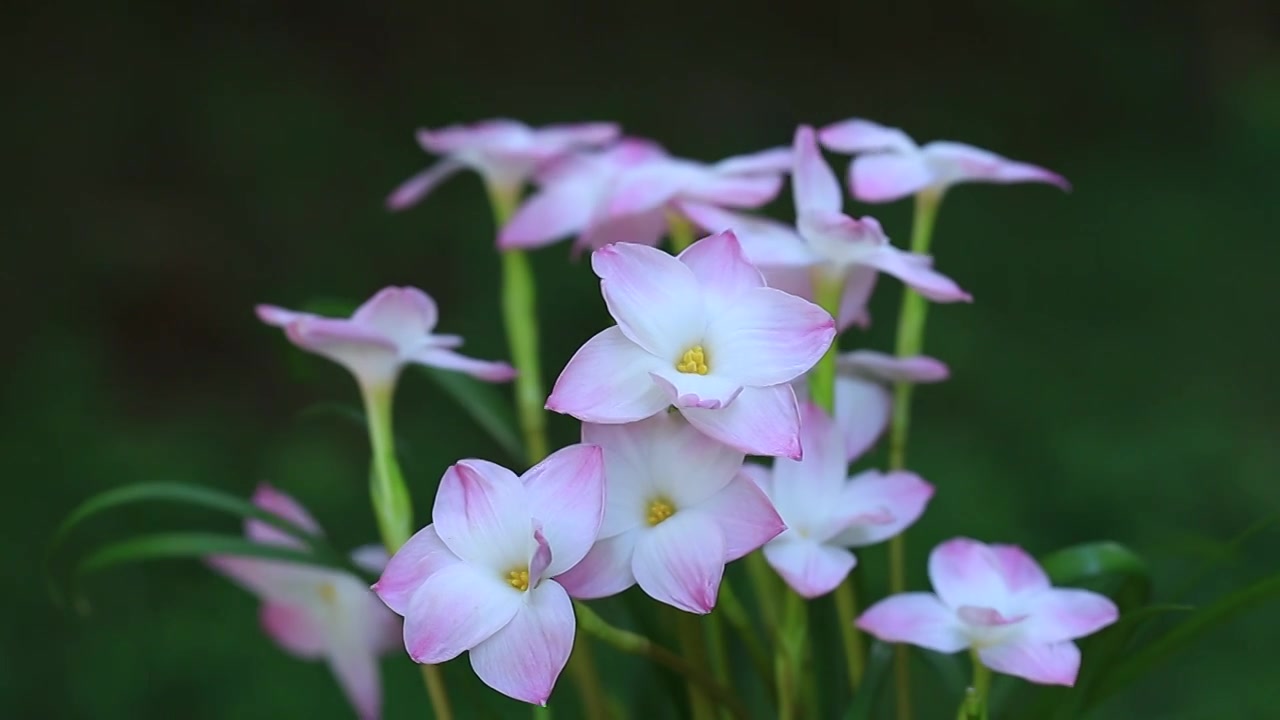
(737, 191)
(773, 160)
(1045, 663)
(894, 500)
(295, 628)
(605, 571)
(764, 242)
(856, 135)
(566, 494)
(809, 568)
(523, 659)
(370, 558)
(403, 314)
(481, 512)
(916, 618)
(966, 572)
(487, 370)
(885, 368)
(645, 228)
(355, 666)
(863, 409)
(653, 296)
(541, 559)
(745, 515)
(457, 608)
(649, 186)
(1020, 571)
(816, 188)
(608, 381)
(281, 505)
(418, 559)
(419, 186)
(556, 211)
(955, 162)
(571, 135)
(766, 337)
(680, 562)
(721, 268)
(371, 356)
(885, 177)
(760, 421)
(278, 316)
(918, 272)
(1066, 614)
(859, 282)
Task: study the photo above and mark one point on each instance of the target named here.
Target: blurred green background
(171, 166)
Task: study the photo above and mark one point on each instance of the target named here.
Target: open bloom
(313, 613)
(826, 245)
(891, 166)
(864, 402)
(481, 577)
(678, 510)
(629, 194)
(701, 332)
(505, 153)
(389, 330)
(997, 600)
(827, 512)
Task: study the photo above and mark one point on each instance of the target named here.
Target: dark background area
(171, 166)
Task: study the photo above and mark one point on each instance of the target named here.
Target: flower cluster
(724, 349)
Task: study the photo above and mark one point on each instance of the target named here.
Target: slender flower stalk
(391, 505)
(693, 642)
(680, 230)
(910, 342)
(974, 706)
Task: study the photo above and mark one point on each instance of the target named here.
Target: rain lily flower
(827, 512)
(389, 330)
(314, 613)
(890, 165)
(864, 402)
(505, 153)
(630, 193)
(482, 576)
(996, 600)
(826, 245)
(701, 332)
(678, 510)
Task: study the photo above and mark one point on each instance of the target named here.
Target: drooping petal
(765, 243)
(916, 618)
(810, 568)
(815, 185)
(523, 659)
(1061, 614)
(566, 494)
(889, 176)
(608, 381)
(895, 499)
(541, 558)
(1045, 663)
(654, 297)
(418, 559)
(650, 186)
(419, 186)
(355, 666)
(481, 514)
(773, 160)
(562, 136)
(856, 135)
(739, 191)
(645, 228)
(886, 368)
(1020, 571)
(371, 356)
(556, 211)
(863, 409)
(955, 162)
(767, 337)
(965, 572)
(917, 271)
(760, 421)
(278, 316)
(605, 571)
(275, 581)
(691, 390)
(489, 370)
(282, 505)
(721, 268)
(403, 314)
(295, 628)
(456, 609)
(746, 517)
(680, 562)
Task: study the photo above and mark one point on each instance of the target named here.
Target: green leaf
(1082, 564)
(879, 660)
(1186, 633)
(486, 405)
(192, 544)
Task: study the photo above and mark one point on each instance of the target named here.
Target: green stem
(762, 583)
(434, 682)
(541, 712)
(680, 232)
(736, 613)
(788, 664)
(974, 704)
(636, 644)
(822, 378)
(910, 341)
(847, 612)
(718, 648)
(582, 667)
(694, 644)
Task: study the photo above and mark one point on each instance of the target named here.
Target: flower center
(328, 594)
(659, 510)
(694, 360)
(518, 579)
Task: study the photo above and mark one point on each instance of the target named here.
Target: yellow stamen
(659, 510)
(693, 361)
(327, 593)
(518, 579)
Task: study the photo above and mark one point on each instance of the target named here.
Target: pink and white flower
(997, 600)
(701, 332)
(890, 165)
(825, 245)
(390, 330)
(483, 576)
(827, 512)
(505, 153)
(629, 194)
(864, 402)
(314, 613)
(678, 510)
